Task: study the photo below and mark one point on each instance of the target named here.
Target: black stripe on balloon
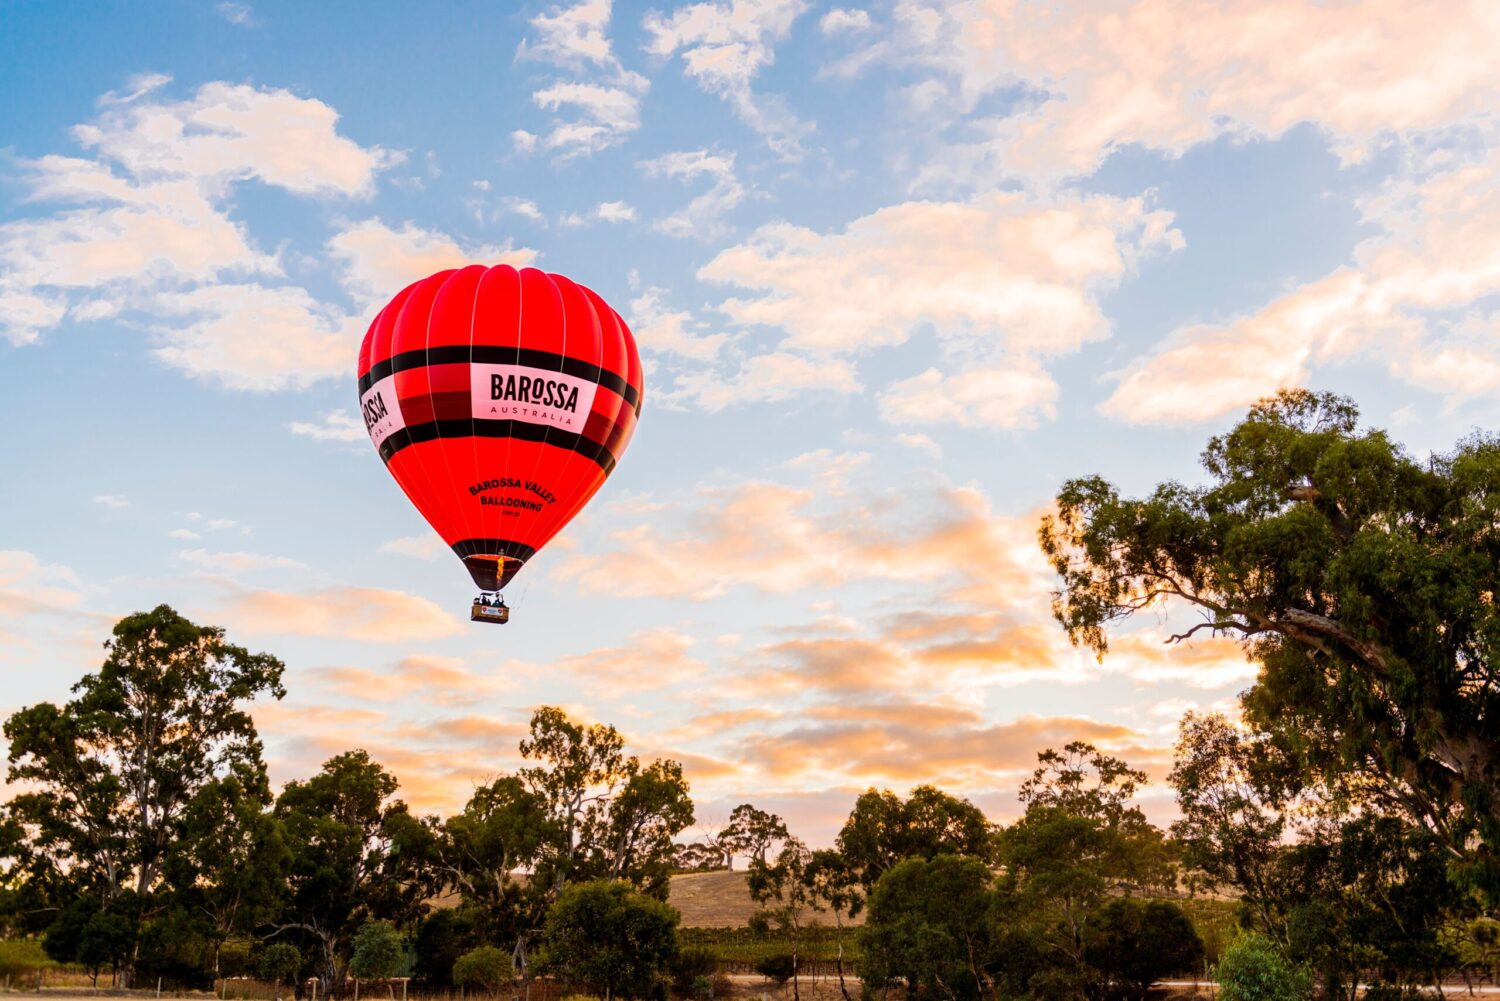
(494, 547)
(520, 430)
(496, 354)
(489, 573)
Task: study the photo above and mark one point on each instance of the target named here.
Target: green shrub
(1133, 944)
(606, 936)
(1252, 969)
(378, 953)
(693, 963)
(23, 956)
(486, 968)
(778, 967)
(279, 963)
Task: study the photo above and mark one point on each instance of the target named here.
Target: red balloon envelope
(500, 400)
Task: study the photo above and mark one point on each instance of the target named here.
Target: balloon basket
(485, 609)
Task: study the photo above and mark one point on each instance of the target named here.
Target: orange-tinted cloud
(355, 613)
(443, 680)
(779, 538)
(906, 744)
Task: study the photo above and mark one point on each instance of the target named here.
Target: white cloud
(921, 443)
(379, 261)
(336, 425)
(659, 329)
(1002, 266)
(237, 562)
(136, 87)
(606, 115)
(236, 13)
(124, 243)
(608, 212)
(614, 212)
(607, 106)
(142, 232)
(422, 547)
(1169, 75)
(572, 36)
(115, 501)
(1004, 397)
(235, 132)
(523, 207)
(764, 378)
(185, 534)
(1002, 281)
(252, 337)
(1415, 298)
(703, 216)
(724, 44)
(841, 21)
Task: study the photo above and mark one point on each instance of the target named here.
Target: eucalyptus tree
(110, 776)
(1362, 579)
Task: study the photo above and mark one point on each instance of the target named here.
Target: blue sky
(896, 272)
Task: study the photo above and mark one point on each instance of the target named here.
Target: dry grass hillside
(720, 900)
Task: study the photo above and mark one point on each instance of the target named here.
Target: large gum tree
(1363, 579)
(111, 776)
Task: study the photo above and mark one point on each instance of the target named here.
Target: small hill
(721, 900)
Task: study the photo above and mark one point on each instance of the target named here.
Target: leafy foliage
(279, 962)
(783, 889)
(612, 817)
(1362, 579)
(609, 937)
(1253, 970)
(22, 957)
(1134, 944)
(692, 963)
(930, 926)
(357, 856)
(378, 952)
(883, 829)
(486, 968)
(113, 774)
(777, 967)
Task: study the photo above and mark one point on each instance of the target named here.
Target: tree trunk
(840, 963)
(518, 959)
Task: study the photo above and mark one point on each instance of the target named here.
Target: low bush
(22, 957)
(1253, 969)
(778, 967)
(693, 963)
(279, 962)
(485, 968)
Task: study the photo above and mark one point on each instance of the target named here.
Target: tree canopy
(114, 775)
(1361, 578)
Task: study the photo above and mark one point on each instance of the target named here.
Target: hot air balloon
(500, 400)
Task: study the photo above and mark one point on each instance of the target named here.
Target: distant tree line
(1351, 815)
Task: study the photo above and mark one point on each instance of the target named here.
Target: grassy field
(720, 900)
(739, 949)
(716, 907)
